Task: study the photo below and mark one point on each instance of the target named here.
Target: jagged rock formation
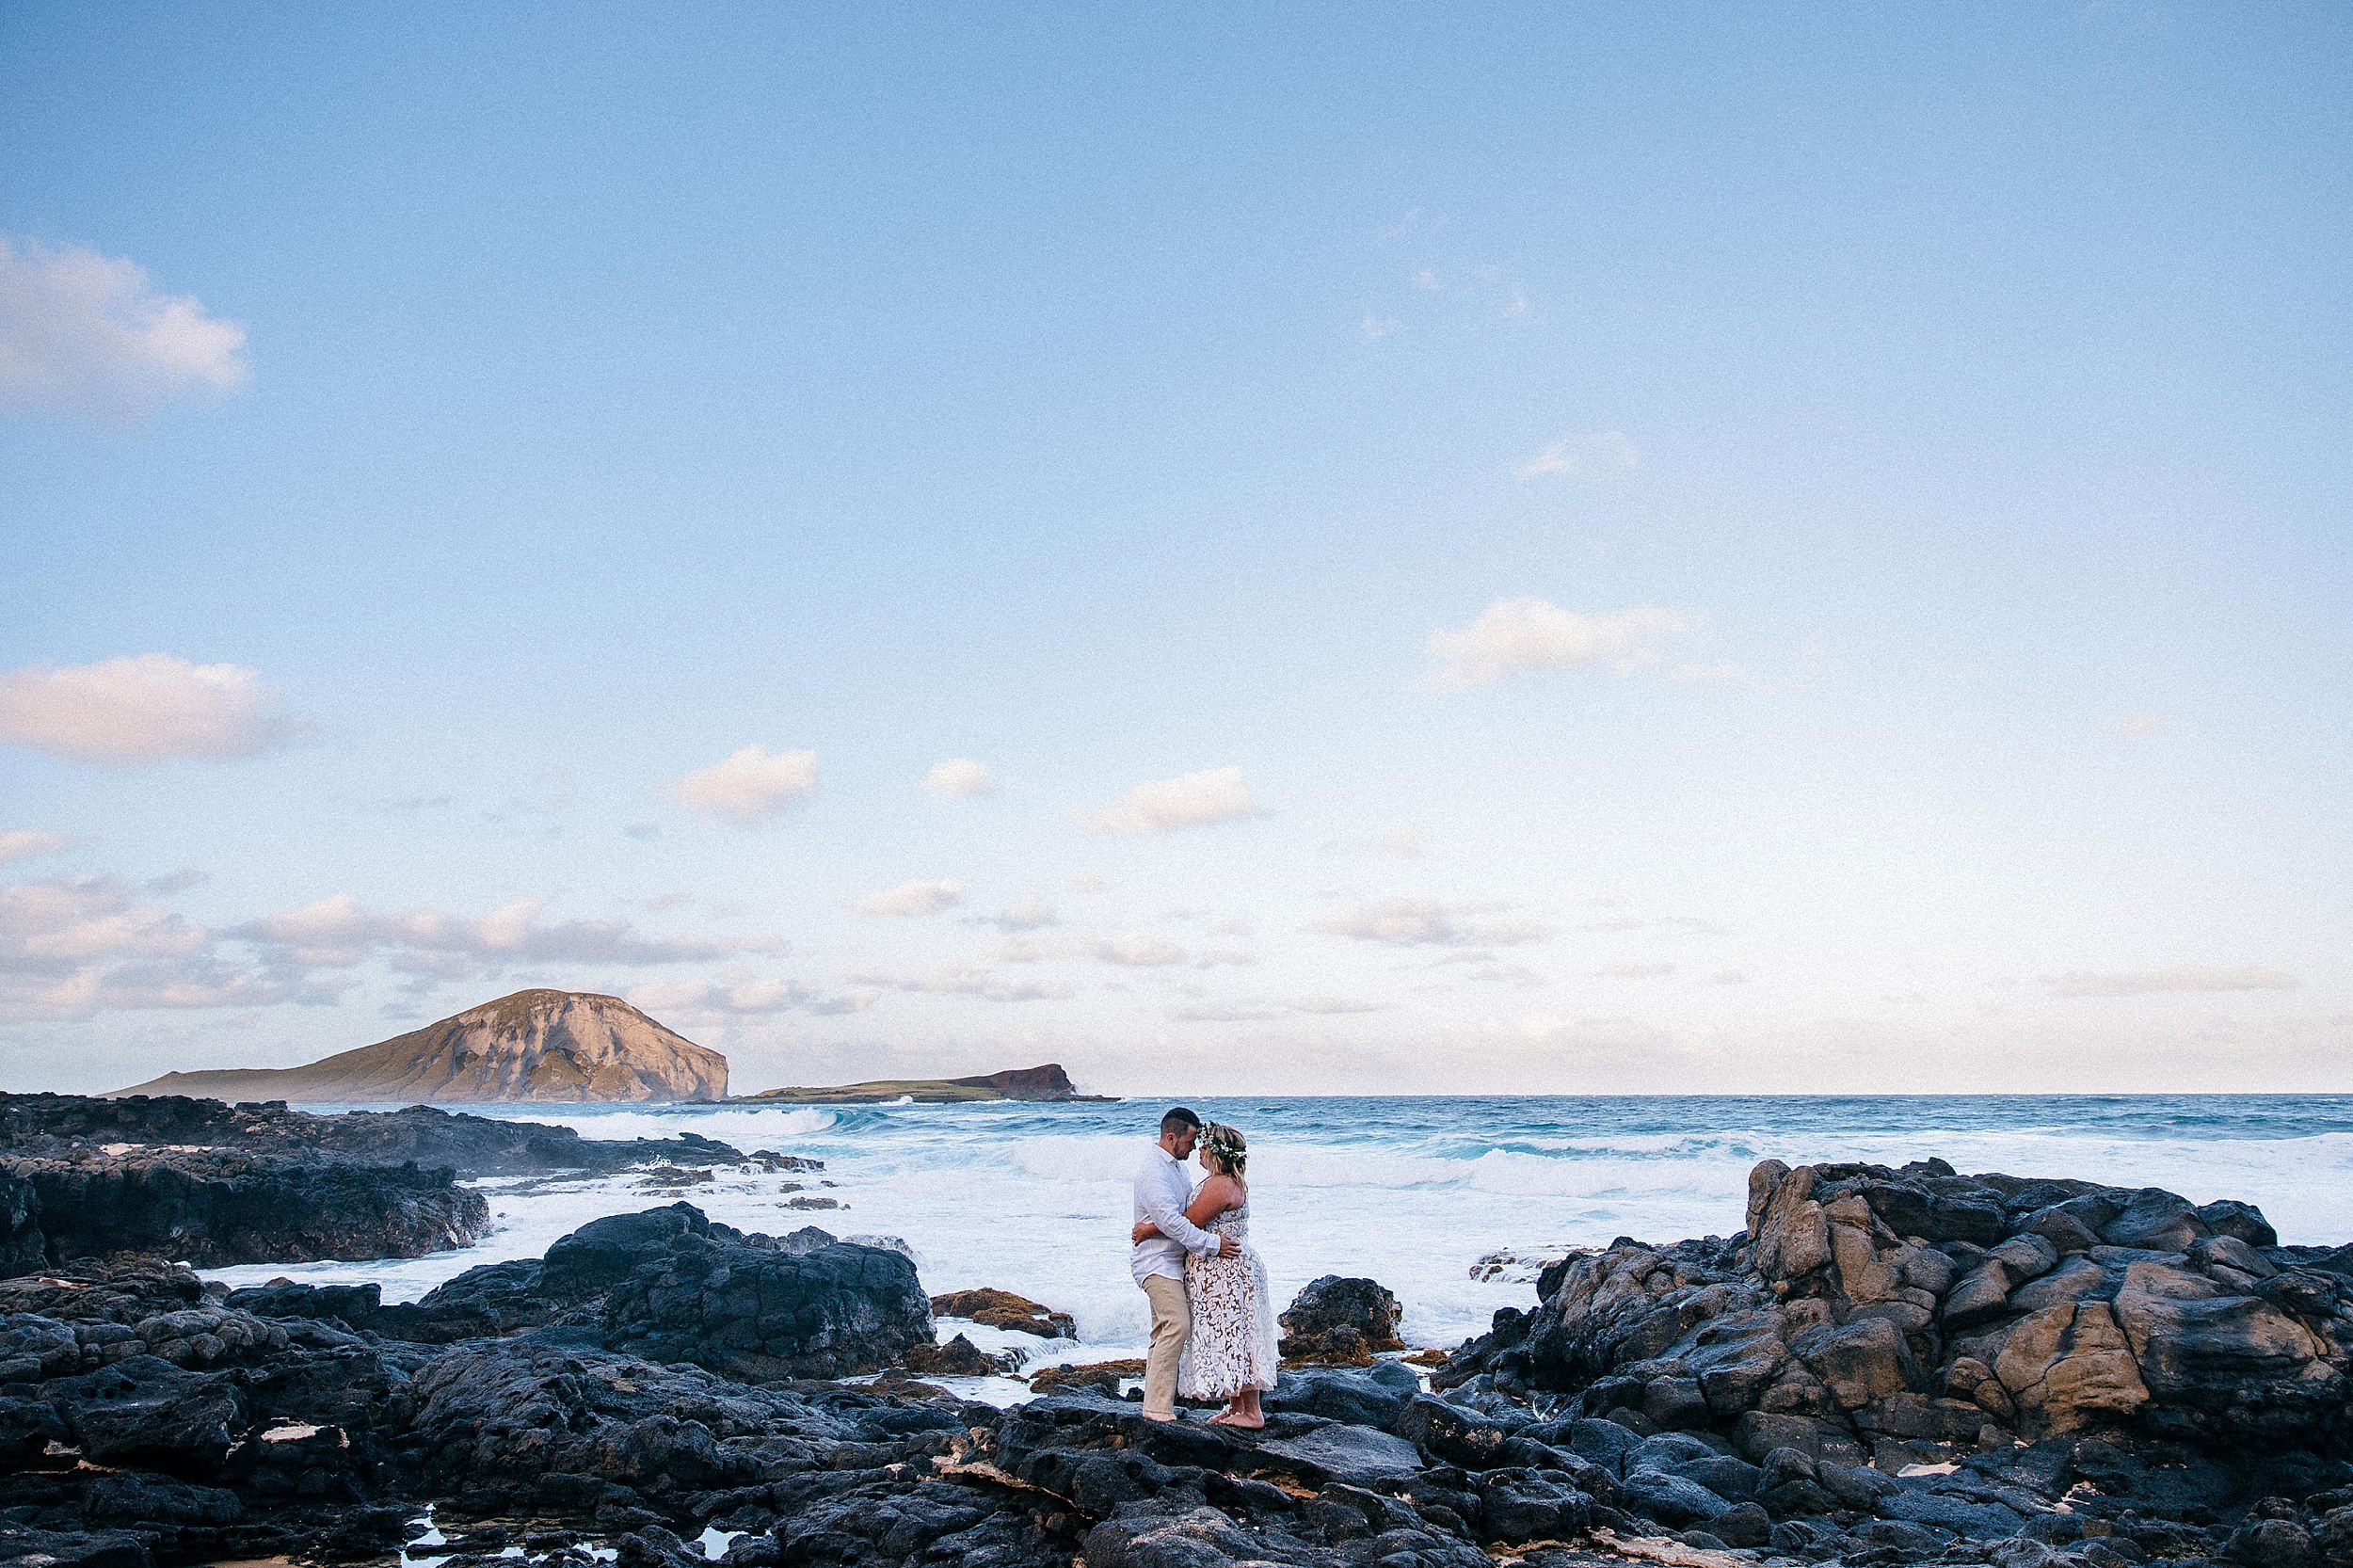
(643, 1383)
(1897, 1316)
(216, 1208)
(560, 1046)
(667, 1283)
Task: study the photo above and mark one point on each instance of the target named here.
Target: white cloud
(338, 931)
(744, 998)
(960, 778)
(1633, 971)
(1265, 1011)
(1137, 952)
(2167, 981)
(2135, 727)
(1193, 800)
(1584, 457)
(1523, 636)
(1413, 923)
(22, 843)
(966, 982)
(912, 900)
(1373, 328)
(1023, 914)
(85, 944)
(86, 917)
(750, 787)
(1687, 925)
(1125, 953)
(86, 334)
(1026, 950)
(131, 710)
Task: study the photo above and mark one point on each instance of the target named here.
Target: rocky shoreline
(1884, 1366)
(212, 1184)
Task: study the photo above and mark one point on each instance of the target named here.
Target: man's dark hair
(1179, 1118)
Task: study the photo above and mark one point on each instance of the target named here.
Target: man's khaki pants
(1172, 1320)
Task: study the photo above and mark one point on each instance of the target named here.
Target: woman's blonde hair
(1231, 1148)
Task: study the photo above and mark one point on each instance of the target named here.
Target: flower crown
(1224, 1141)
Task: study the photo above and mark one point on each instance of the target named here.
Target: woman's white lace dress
(1232, 1344)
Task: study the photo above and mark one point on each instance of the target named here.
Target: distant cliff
(1048, 1082)
(542, 1045)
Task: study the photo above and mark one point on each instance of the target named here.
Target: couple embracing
(1212, 1311)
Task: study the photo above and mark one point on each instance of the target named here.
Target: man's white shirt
(1161, 1194)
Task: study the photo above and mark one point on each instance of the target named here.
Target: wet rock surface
(647, 1382)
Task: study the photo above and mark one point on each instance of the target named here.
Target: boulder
(2068, 1367)
(1373, 1397)
(1669, 1498)
(2218, 1361)
(1858, 1362)
(1357, 1454)
(738, 1304)
(2155, 1221)
(1340, 1321)
(144, 1411)
(671, 1284)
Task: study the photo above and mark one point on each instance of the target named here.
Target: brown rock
(1792, 1234)
(1102, 1375)
(1858, 1362)
(1006, 1310)
(2068, 1367)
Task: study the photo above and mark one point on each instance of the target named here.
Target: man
(1159, 1261)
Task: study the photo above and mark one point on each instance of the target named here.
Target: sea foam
(1412, 1193)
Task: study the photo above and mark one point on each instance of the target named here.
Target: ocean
(1452, 1203)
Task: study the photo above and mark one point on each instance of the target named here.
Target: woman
(1230, 1354)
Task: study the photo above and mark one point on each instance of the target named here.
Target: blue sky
(1873, 480)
